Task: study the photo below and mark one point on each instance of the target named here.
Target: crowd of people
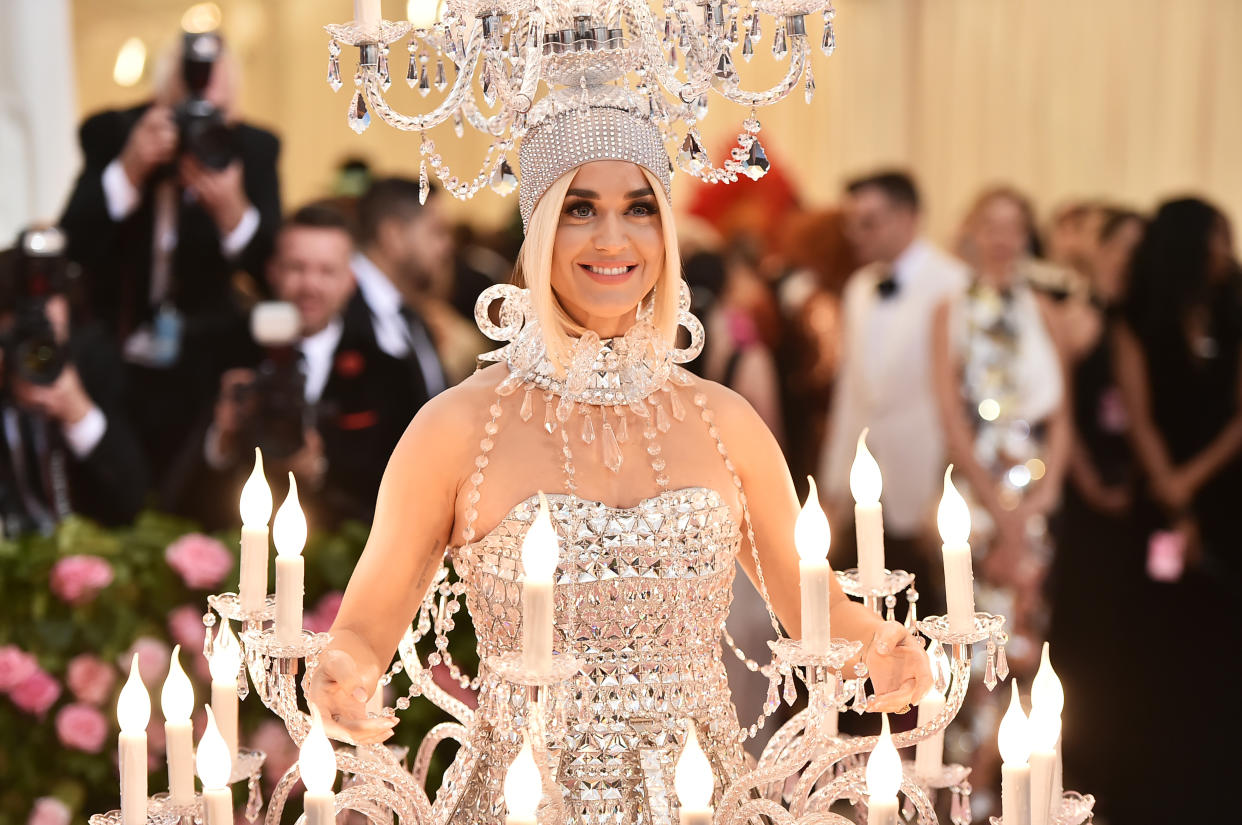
(1082, 376)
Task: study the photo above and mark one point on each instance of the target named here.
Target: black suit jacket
(116, 255)
(109, 484)
(365, 406)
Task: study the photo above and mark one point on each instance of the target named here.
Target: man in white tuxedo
(885, 381)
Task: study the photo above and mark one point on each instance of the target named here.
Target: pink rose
(77, 579)
(272, 738)
(153, 657)
(185, 625)
(201, 561)
(16, 666)
(36, 693)
(90, 679)
(48, 810)
(81, 727)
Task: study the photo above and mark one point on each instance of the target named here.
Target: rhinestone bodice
(642, 594)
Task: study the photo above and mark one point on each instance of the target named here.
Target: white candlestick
(929, 753)
(1016, 794)
(256, 510)
(218, 803)
(953, 518)
(253, 582)
(883, 774)
(1042, 762)
(869, 529)
(695, 816)
(367, 12)
(539, 558)
(290, 593)
(1058, 789)
(180, 744)
(214, 761)
(289, 530)
(133, 711)
(133, 765)
(320, 807)
(224, 706)
(882, 811)
(812, 538)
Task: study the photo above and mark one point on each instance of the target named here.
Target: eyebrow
(587, 193)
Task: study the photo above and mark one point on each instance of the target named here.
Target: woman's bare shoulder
(460, 409)
(734, 414)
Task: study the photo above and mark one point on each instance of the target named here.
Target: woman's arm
(412, 527)
(896, 660)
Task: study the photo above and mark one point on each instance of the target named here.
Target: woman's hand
(899, 670)
(338, 690)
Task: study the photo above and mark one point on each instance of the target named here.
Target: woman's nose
(610, 234)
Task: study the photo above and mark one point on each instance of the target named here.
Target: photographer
(307, 383)
(65, 445)
(176, 196)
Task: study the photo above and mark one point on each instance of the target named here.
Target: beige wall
(1129, 98)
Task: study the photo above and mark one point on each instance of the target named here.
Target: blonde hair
(534, 269)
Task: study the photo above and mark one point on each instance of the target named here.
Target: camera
(201, 129)
(31, 350)
(275, 402)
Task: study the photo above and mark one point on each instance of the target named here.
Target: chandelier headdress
(519, 67)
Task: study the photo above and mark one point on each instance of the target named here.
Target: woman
(1095, 576)
(999, 387)
(1178, 355)
(652, 499)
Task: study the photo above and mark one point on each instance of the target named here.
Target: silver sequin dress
(642, 594)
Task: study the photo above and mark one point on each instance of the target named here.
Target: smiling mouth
(610, 274)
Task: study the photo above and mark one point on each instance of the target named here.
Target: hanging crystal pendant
(692, 157)
(385, 77)
(676, 406)
(334, 73)
(756, 31)
(359, 118)
(528, 406)
(780, 46)
(411, 72)
(424, 85)
(441, 77)
(662, 421)
(424, 185)
(672, 57)
(504, 181)
(612, 450)
(829, 44)
(459, 128)
(732, 36)
(588, 426)
(489, 89)
(549, 416)
(1002, 663)
(810, 83)
(724, 68)
(622, 427)
(757, 164)
(700, 108)
(748, 48)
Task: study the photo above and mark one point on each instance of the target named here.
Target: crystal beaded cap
(490, 64)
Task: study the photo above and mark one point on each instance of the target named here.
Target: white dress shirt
(318, 350)
(886, 384)
(392, 332)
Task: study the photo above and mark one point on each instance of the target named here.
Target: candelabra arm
(657, 62)
(375, 95)
(426, 685)
(422, 757)
(800, 52)
(280, 794)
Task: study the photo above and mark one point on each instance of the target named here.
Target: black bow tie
(887, 288)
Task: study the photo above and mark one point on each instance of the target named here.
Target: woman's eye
(643, 210)
(580, 210)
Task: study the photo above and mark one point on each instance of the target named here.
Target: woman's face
(609, 249)
(1000, 233)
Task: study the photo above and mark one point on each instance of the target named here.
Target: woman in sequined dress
(657, 481)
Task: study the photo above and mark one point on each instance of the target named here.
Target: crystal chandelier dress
(642, 591)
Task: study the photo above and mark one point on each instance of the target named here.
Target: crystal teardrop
(640, 409)
(528, 406)
(810, 83)
(692, 157)
(672, 57)
(757, 164)
(700, 106)
(588, 426)
(411, 72)
(424, 83)
(334, 73)
(748, 48)
(622, 426)
(612, 450)
(549, 417)
(829, 45)
(1002, 663)
(860, 696)
(989, 672)
(489, 89)
(676, 406)
(663, 424)
(424, 185)
(724, 67)
(359, 118)
(780, 46)
(773, 700)
(385, 76)
(441, 77)
(504, 181)
(459, 128)
(756, 31)
(564, 409)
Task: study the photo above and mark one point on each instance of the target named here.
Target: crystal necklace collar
(623, 370)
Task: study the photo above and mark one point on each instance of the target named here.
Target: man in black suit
(175, 197)
(65, 445)
(357, 400)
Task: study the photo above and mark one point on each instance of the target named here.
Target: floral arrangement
(79, 603)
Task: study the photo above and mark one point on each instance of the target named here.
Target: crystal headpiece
(493, 62)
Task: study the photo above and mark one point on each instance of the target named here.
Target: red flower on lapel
(350, 363)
